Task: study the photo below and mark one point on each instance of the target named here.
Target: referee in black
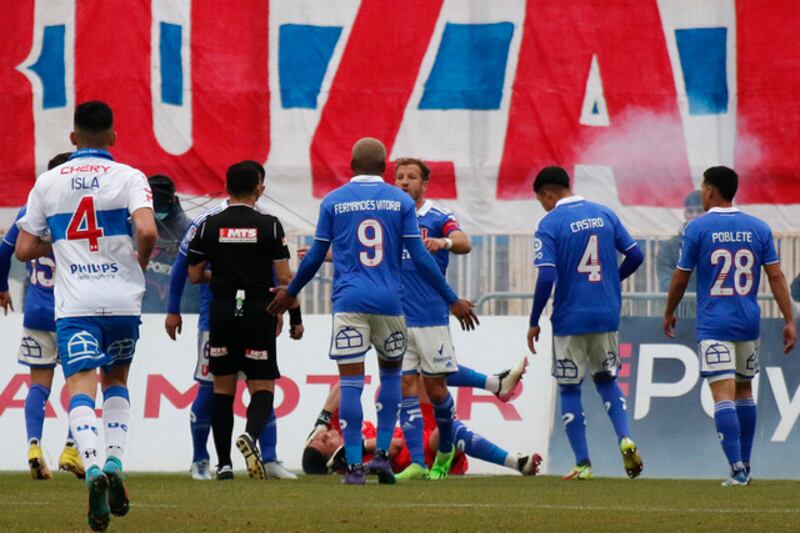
(248, 252)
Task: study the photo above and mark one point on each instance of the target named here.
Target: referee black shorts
(242, 343)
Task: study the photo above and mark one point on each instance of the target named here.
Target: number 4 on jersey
(590, 261)
(83, 225)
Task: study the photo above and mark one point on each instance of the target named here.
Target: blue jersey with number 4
(581, 240)
(39, 303)
(365, 221)
(728, 249)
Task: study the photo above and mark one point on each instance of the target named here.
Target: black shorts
(245, 343)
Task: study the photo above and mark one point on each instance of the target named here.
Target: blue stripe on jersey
(114, 222)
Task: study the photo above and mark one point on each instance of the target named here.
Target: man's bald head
(369, 157)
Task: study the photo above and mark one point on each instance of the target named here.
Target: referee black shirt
(241, 244)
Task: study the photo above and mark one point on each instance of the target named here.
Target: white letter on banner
(788, 408)
(647, 389)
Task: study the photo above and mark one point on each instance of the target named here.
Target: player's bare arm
(173, 323)
(284, 276)
(677, 288)
(533, 337)
(146, 234)
(31, 246)
(780, 290)
(456, 241)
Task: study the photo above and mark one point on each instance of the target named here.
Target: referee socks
(258, 412)
(222, 426)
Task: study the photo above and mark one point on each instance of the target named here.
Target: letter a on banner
(555, 112)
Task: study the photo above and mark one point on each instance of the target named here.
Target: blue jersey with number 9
(581, 240)
(366, 221)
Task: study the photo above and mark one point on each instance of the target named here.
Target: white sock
(512, 461)
(116, 418)
(83, 422)
(492, 384)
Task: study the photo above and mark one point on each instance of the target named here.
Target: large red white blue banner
(634, 97)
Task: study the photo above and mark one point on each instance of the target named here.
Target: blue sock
(728, 430)
(200, 420)
(34, 410)
(746, 413)
(269, 439)
(614, 402)
(466, 377)
(574, 422)
(413, 428)
(388, 404)
(476, 446)
(444, 421)
(351, 416)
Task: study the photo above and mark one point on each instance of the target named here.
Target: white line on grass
(553, 507)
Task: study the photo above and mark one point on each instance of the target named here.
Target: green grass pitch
(172, 502)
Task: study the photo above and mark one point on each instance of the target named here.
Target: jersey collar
(723, 210)
(91, 152)
(570, 200)
(422, 211)
(364, 178)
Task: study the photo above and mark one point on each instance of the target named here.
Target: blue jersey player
(576, 249)
(728, 249)
(430, 348)
(369, 223)
(200, 416)
(38, 347)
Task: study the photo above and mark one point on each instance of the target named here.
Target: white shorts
(574, 355)
(353, 333)
(201, 372)
(38, 348)
(728, 359)
(430, 351)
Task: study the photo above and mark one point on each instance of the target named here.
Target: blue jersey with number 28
(581, 240)
(728, 249)
(366, 221)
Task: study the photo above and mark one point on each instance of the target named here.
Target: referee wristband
(295, 317)
(448, 243)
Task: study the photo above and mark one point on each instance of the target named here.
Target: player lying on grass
(324, 452)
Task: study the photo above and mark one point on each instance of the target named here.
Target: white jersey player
(88, 208)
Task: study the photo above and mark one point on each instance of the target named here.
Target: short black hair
(242, 178)
(93, 116)
(262, 174)
(59, 159)
(724, 179)
(314, 462)
(551, 176)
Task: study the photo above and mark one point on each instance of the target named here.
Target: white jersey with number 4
(85, 205)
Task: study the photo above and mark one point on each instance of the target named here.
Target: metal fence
(499, 276)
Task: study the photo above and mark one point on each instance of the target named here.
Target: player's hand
(173, 324)
(302, 251)
(533, 336)
(434, 245)
(296, 331)
(5, 302)
(463, 311)
(789, 337)
(669, 325)
(278, 325)
(282, 301)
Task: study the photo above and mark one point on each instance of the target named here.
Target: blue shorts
(86, 343)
